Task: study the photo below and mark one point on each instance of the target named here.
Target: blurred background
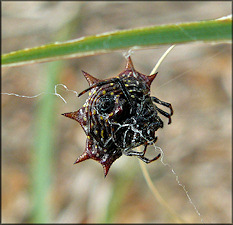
(39, 146)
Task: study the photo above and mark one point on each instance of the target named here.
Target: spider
(118, 116)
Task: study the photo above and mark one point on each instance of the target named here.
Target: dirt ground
(195, 78)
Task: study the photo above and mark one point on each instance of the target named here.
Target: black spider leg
(146, 160)
(163, 112)
(163, 103)
(93, 86)
(126, 93)
(140, 155)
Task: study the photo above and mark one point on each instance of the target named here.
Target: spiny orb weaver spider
(118, 116)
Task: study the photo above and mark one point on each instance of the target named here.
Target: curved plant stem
(161, 59)
(157, 195)
(144, 169)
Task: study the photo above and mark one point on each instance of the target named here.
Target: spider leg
(103, 83)
(125, 92)
(140, 155)
(146, 160)
(133, 153)
(163, 103)
(164, 114)
(93, 86)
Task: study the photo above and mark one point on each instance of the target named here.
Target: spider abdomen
(119, 115)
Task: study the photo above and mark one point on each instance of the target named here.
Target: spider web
(42, 93)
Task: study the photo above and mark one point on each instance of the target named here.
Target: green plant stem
(42, 162)
(43, 158)
(206, 31)
(120, 190)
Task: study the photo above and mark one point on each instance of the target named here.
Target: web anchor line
(35, 96)
(178, 181)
